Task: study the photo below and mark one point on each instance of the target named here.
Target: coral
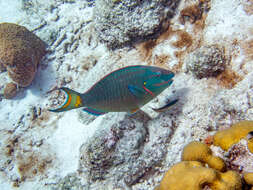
(248, 177)
(120, 23)
(197, 151)
(207, 61)
(250, 142)
(187, 175)
(20, 52)
(229, 180)
(190, 175)
(10, 90)
(226, 138)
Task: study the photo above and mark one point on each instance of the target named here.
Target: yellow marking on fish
(68, 101)
(78, 101)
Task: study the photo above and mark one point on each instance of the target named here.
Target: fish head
(158, 79)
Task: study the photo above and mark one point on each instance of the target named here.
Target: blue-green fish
(124, 90)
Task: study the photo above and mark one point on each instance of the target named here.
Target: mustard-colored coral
(197, 151)
(248, 177)
(192, 175)
(226, 138)
(187, 175)
(250, 145)
(229, 180)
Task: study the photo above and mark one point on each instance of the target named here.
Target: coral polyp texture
(133, 20)
(206, 61)
(192, 175)
(10, 90)
(20, 53)
(197, 151)
(226, 138)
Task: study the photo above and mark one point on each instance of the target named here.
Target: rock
(112, 147)
(223, 110)
(20, 52)
(126, 151)
(10, 90)
(121, 23)
(207, 61)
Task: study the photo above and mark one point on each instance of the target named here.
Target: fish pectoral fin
(164, 108)
(137, 92)
(93, 111)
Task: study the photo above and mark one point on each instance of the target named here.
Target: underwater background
(48, 44)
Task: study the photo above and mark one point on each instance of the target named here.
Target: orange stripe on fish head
(68, 101)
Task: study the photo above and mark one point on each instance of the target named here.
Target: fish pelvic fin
(73, 100)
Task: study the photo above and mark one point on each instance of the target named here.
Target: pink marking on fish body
(147, 90)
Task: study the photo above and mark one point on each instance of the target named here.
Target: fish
(165, 107)
(124, 90)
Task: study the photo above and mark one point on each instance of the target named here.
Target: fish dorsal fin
(137, 92)
(93, 111)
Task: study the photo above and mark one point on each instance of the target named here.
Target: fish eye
(145, 83)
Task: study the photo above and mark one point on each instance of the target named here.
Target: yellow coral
(248, 177)
(192, 175)
(187, 175)
(250, 145)
(226, 138)
(197, 151)
(229, 180)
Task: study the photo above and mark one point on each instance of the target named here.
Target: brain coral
(207, 61)
(20, 53)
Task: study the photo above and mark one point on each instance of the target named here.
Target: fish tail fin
(73, 100)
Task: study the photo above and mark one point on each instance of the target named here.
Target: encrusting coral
(226, 138)
(197, 151)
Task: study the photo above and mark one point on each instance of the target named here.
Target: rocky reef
(210, 54)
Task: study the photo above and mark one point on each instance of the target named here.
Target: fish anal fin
(93, 111)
